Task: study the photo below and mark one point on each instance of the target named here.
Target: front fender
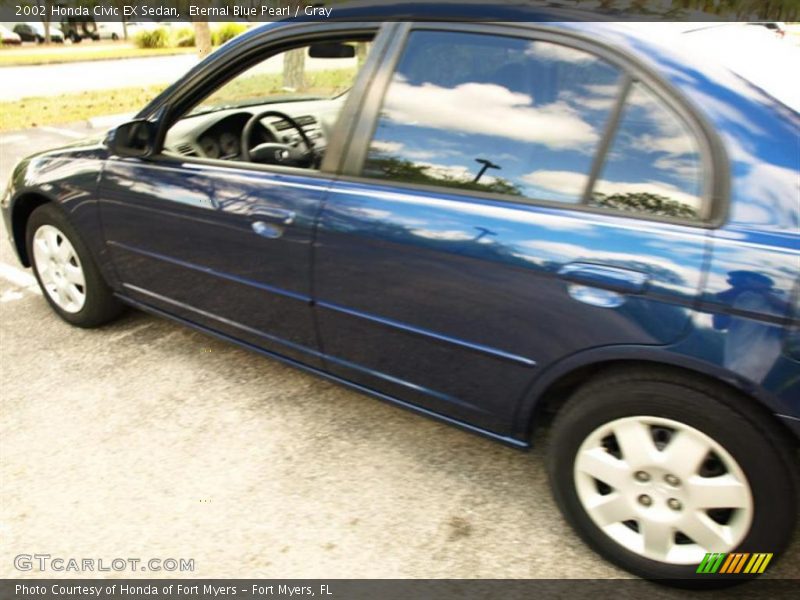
(68, 178)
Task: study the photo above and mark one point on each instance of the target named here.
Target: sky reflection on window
(494, 114)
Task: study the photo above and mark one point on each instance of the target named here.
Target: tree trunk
(294, 66)
(46, 18)
(361, 53)
(124, 30)
(202, 38)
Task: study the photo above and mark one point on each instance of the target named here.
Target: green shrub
(184, 38)
(226, 33)
(157, 38)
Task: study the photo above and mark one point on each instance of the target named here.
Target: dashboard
(218, 135)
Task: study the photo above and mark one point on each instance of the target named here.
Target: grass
(15, 57)
(68, 108)
(317, 83)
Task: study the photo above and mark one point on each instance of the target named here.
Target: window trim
(609, 135)
(714, 162)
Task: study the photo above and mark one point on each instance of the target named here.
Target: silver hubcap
(663, 489)
(59, 269)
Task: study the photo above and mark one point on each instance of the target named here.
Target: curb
(108, 121)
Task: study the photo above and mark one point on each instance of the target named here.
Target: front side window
(279, 111)
(294, 75)
(496, 114)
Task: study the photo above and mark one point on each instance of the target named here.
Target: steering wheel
(273, 152)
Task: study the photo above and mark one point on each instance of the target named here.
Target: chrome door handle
(274, 215)
(619, 279)
(271, 231)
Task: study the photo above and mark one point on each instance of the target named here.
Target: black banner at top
(58, 11)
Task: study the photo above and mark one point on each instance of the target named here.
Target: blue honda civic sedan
(491, 224)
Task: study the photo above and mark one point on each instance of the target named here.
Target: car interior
(256, 117)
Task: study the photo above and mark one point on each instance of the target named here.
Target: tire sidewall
(696, 409)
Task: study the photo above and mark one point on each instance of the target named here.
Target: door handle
(601, 285)
(618, 279)
(280, 216)
(267, 230)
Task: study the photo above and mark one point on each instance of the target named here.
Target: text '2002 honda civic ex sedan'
(485, 223)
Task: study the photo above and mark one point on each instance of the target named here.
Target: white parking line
(64, 132)
(10, 295)
(12, 139)
(19, 278)
(122, 335)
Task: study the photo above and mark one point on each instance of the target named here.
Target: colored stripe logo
(734, 563)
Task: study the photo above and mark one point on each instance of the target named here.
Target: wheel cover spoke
(74, 275)
(685, 453)
(635, 442)
(602, 466)
(612, 508)
(718, 492)
(657, 538)
(708, 534)
(64, 250)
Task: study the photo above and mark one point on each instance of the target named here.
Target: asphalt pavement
(145, 439)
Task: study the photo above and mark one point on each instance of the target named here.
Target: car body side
(733, 320)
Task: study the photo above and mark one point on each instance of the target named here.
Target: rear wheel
(66, 272)
(655, 471)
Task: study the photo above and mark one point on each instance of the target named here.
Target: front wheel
(69, 278)
(654, 471)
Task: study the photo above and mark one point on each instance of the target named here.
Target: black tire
(114, 37)
(100, 305)
(763, 451)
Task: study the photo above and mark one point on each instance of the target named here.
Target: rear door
(518, 198)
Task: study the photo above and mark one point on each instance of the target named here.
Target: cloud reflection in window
(482, 112)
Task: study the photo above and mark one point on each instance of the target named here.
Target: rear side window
(495, 114)
(653, 164)
(528, 118)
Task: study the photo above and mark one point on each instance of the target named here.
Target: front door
(217, 229)
(224, 249)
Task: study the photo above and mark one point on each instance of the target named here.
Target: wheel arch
(553, 388)
(21, 212)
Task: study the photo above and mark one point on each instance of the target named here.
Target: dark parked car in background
(486, 223)
(34, 32)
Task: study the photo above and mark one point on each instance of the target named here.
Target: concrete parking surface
(145, 439)
(53, 80)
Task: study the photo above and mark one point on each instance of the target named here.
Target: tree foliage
(643, 202)
(400, 169)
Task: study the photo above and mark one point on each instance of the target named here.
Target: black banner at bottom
(385, 589)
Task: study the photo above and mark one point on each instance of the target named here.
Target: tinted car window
(494, 114)
(653, 164)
